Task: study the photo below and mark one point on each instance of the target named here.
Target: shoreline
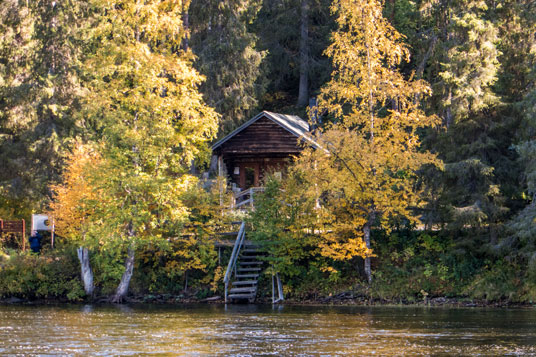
(165, 299)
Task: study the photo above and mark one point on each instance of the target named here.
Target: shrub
(31, 276)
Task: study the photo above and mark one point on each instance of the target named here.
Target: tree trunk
(186, 24)
(87, 273)
(366, 234)
(448, 116)
(122, 288)
(303, 95)
(368, 271)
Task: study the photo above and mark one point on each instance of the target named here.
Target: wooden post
(256, 175)
(220, 175)
(23, 235)
(52, 235)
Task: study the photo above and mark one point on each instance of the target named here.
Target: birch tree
(74, 204)
(365, 172)
(144, 92)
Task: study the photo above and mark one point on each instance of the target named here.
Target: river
(264, 330)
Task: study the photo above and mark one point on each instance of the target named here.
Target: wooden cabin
(264, 144)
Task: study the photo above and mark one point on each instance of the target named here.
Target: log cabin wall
(262, 147)
(263, 137)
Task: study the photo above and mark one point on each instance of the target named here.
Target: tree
(228, 57)
(284, 223)
(295, 34)
(74, 204)
(458, 48)
(469, 62)
(303, 91)
(144, 92)
(520, 80)
(366, 170)
(41, 45)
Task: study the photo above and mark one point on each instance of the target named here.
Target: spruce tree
(519, 85)
(460, 56)
(41, 44)
(295, 34)
(228, 57)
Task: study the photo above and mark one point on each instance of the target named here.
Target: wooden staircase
(243, 271)
(244, 268)
(246, 276)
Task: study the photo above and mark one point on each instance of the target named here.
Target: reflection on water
(264, 330)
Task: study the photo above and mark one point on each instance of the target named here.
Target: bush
(49, 276)
(497, 281)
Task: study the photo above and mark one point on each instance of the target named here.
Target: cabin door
(249, 175)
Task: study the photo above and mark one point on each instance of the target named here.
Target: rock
(13, 300)
(212, 298)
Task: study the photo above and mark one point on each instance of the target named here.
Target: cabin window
(278, 175)
(236, 170)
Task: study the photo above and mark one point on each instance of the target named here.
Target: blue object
(35, 242)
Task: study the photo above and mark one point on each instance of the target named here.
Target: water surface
(264, 330)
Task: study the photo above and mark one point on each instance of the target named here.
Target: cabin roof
(292, 123)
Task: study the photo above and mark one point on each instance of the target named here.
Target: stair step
(250, 263)
(247, 276)
(241, 296)
(248, 269)
(227, 234)
(242, 290)
(253, 257)
(250, 250)
(245, 282)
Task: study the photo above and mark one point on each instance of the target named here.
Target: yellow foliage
(366, 173)
(75, 198)
(218, 277)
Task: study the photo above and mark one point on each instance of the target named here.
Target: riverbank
(342, 299)
(420, 279)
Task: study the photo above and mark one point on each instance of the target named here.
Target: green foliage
(498, 281)
(41, 46)
(414, 265)
(165, 270)
(52, 275)
(228, 57)
(120, 75)
(283, 223)
(278, 28)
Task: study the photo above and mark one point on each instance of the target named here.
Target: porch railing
(246, 199)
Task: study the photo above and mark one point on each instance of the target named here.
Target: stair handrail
(234, 256)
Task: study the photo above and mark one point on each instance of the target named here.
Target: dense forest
(425, 110)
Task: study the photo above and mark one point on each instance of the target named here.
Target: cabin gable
(262, 137)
